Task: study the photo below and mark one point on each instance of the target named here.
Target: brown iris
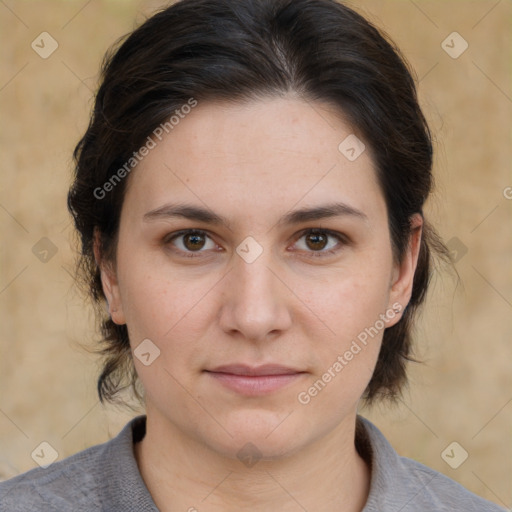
(194, 241)
(316, 241)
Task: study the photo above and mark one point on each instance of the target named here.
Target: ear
(403, 273)
(109, 282)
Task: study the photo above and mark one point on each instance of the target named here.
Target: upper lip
(266, 369)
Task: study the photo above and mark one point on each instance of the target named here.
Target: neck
(181, 473)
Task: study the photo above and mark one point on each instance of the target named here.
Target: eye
(191, 241)
(317, 241)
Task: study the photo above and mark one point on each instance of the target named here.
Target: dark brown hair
(234, 50)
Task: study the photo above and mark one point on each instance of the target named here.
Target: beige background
(461, 393)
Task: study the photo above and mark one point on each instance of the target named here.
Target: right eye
(190, 241)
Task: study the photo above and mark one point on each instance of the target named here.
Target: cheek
(172, 314)
(170, 309)
(345, 358)
(347, 334)
(159, 306)
(349, 303)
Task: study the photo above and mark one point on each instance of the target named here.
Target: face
(264, 321)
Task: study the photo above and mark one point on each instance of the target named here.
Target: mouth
(254, 380)
(255, 371)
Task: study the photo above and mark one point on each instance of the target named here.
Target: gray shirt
(106, 477)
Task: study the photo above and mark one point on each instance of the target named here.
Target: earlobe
(112, 295)
(403, 274)
(109, 283)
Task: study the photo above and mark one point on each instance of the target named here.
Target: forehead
(256, 155)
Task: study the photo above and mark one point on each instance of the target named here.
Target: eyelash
(315, 254)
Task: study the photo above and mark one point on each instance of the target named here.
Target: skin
(294, 305)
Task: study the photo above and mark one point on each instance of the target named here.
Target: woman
(249, 195)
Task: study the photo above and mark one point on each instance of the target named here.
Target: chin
(261, 434)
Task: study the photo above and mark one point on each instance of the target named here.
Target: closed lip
(255, 371)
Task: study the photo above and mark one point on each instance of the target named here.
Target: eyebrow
(200, 214)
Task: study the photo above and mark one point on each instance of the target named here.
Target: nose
(255, 300)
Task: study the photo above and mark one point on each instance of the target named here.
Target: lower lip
(254, 385)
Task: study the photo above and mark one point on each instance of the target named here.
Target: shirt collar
(133, 494)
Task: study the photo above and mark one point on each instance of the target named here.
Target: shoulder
(61, 486)
(93, 479)
(400, 483)
(439, 492)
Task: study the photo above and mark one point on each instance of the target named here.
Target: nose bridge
(255, 303)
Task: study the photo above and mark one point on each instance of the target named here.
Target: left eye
(315, 241)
